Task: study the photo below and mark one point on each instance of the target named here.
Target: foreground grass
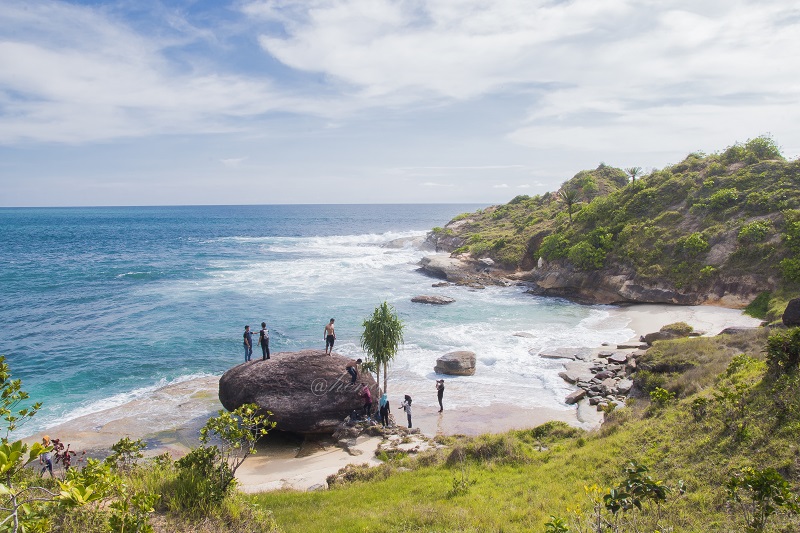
(516, 481)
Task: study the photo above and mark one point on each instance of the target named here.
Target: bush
(693, 245)
(586, 257)
(755, 231)
(723, 198)
(783, 350)
(554, 246)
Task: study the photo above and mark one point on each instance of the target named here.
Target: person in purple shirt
(367, 396)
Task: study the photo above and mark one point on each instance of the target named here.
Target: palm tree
(633, 172)
(570, 197)
(383, 334)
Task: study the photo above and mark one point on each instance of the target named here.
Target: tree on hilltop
(570, 198)
(633, 172)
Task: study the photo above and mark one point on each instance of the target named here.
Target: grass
(517, 480)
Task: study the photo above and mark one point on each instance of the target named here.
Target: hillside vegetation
(728, 222)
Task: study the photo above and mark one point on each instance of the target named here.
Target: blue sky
(149, 102)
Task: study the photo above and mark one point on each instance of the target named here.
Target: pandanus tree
(570, 198)
(633, 172)
(383, 334)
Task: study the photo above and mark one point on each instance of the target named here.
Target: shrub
(693, 245)
(723, 198)
(679, 328)
(756, 231)
(586, 257)
(783, 350)
(554, 246)
(661, 397)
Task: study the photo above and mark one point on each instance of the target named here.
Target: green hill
(720, 228)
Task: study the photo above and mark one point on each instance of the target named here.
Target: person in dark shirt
(440, 393)
(263, 340)
(248, 343)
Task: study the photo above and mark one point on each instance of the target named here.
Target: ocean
(103, 306)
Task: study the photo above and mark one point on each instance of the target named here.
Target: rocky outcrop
(618, 284)
(791, 316)
(307, 392)
(462, 270)
(460, 363)
(434, 300)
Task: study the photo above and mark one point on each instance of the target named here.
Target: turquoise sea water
(103, 305)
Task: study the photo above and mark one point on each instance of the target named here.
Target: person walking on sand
(406, 405)
(248, 343)
(366, 395)
(352, 369)
(440, 393)
(263, 340)
(46, 458)
(329, 335)
(383, 409)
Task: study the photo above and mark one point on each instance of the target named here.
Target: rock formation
(460, 363)
(791, 316)
(307, 392)
(435, 300)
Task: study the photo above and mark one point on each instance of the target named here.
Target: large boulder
(307, 392)
(791, 316)
(461, 363)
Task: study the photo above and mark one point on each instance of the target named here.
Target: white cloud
(233, 162)
(500, 186)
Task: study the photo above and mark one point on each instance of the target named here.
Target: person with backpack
(406, 405)
(263, 340)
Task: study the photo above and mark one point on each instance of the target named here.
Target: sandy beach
(287, 463)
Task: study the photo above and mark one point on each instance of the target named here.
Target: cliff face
(717, 229)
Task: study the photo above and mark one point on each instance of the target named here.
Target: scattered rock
(434, 300)
(575, 397)
(735, 330)
(604, 354)
(618, 358)
(624, 386)
(558, 354)
(441, 284)
(791, 316)
(633, 346)
(524, 334)
(459, 363)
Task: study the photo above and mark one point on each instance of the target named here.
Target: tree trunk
(385, 375)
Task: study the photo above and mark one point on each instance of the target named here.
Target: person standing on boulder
(367, 396)
(352, 369)
(440, 393)
(263, 340)
(248, 343)
(406, 405)
(329, 335)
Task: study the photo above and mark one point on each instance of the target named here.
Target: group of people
(263, 341)
(383, 403)
(329, 335)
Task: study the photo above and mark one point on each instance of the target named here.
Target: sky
(192, 102)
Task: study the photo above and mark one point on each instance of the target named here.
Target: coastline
(281, 464)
